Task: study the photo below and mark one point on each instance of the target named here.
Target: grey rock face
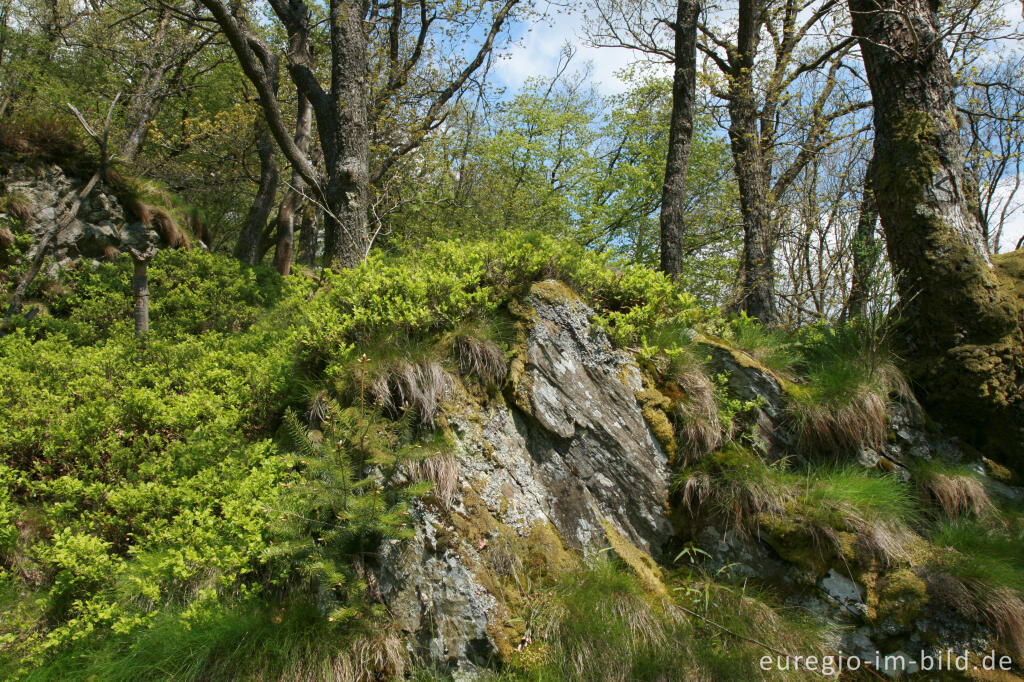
(586, 432)
(571, 455)
(101, 222)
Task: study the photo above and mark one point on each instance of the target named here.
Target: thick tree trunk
(309, 238)
(758, 265)
(865, 253)
(680, 135)
(284, 250)
(345, 138)
(247, 249)
(962, 328)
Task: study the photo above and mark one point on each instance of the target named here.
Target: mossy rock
(901, 595)
(653, 405)
(793, 540)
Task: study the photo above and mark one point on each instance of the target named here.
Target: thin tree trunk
(865, 252)
(140, 289)
(284, 251)
(680, 135)
(247, 248)
(962, 332)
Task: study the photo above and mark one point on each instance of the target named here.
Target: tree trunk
(140, 289)
(962, 327)
(865, 252)
(680, 135)
(308, 238)
(758, 264)
(345, 138)
(247, 249)
(284, 250)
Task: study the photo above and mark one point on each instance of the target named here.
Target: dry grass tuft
(48, 137)
(197, 227)
(442, 470)
(998, 607)
(845, 411)
(111, 253)
(699, 428)
(168, 228)
(736, 486)
(480, 357)
(6, 238)
(954, 494)
(365, 660)
(19, 206)
(421, 386)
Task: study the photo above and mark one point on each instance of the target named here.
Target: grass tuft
(481, 358)
(843, 405)
(956, 491)
(698, 424)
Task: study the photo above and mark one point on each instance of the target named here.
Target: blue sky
(538, 44)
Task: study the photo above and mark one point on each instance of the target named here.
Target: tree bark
(865, 252)
(247, 249)
(962, 332)
(309, 237)
(140, 290)
(284, 250)
(758, 264)
(345, 136)
(680, 136)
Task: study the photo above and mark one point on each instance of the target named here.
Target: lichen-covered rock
(101, 223)
(570, 462)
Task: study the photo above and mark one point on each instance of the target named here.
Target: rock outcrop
(101, 229)
(567, 463)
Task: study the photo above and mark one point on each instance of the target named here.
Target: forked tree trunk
(285, 248)
(962, 328)
(247, 249)
(680, 136)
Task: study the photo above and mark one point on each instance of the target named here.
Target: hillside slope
(513, 458)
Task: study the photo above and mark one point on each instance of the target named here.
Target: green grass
(773, 348)
(841, 403)
(248, 641)
(605, 626)
(991, 553)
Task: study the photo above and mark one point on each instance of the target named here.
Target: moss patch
(901, 596)
(653, 404)
(553, 291)
(638, 560)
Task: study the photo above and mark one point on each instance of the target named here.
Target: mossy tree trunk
(865, 253)
(961, 327)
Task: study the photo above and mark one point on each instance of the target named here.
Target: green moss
(901, 595)
(796, 543)
(653, 404)
(553, 291)
(639, 561)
